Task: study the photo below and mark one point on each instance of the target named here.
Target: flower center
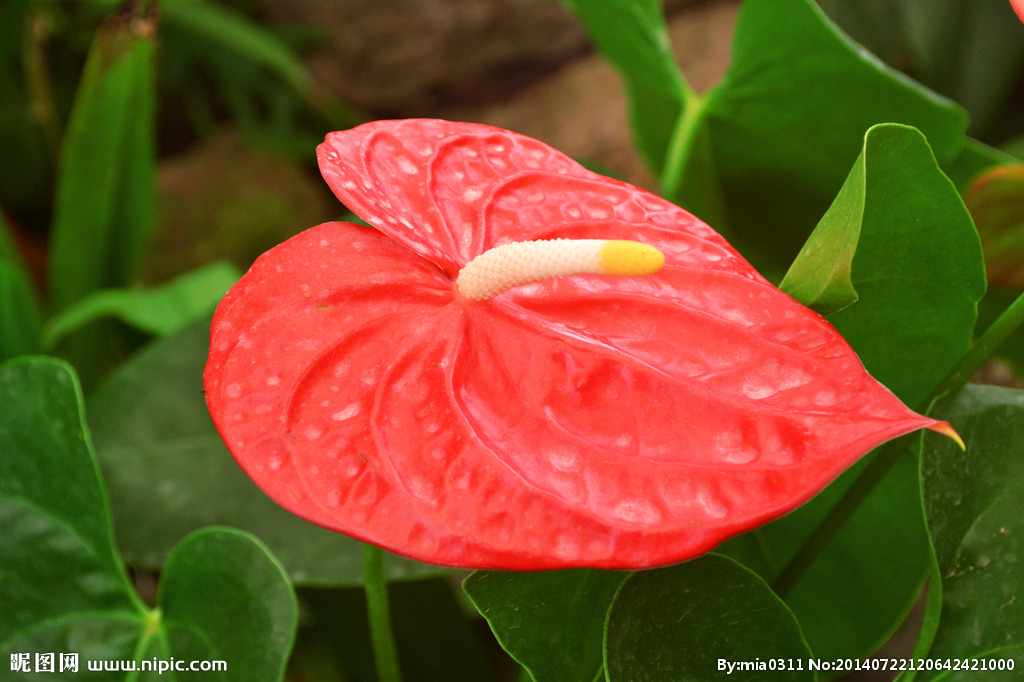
(509, 265)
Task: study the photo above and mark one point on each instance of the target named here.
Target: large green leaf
(551, 622)
(788, 120)
(632, 35)
(169, 472)
(973, 503)
(160, 310)
(104, 198)
(222, 592)
(899, 236)
(223, 597)
(684, 622)
(969, 50)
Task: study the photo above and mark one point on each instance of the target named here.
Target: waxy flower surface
(527, 417)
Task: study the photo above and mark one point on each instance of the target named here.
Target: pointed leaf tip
(946, 430)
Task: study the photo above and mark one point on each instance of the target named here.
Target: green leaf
(222, 587)
(685, 621)
(21, 319)
(56, 552)
(550, 622)
(224, 598)
(104, 198)
(788, 120)
(898, 237)
(970, 51)
(633, 36)
(169, 473)
(916, 266)
(972, 501)
(160, 310)
(232, 31)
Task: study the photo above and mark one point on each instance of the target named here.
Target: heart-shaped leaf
(707, 619)
(551, 622)
(223, 599)
(972, 501)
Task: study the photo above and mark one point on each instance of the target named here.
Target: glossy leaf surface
(972, 501)
(551, 622)
(222, 596)
(681, 622)
(169, 473)
(356, 389)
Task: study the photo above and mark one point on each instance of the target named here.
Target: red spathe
(616, 422)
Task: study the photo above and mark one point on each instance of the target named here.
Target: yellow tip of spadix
(515, 263)
(621, 257)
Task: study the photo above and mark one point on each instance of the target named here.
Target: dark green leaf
(788, 120)
(632, 35)
(104, 202)
(56, 550)
(160, 310)
(973, 503)
(683, 622)
(169, 473)
(65, 591)
(21, 319)
(971, 51)
(223, 588)
(233, 31)
(551, 622)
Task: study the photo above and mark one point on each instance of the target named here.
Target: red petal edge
(583, 421)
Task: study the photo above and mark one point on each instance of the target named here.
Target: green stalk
(681, 145)
(1000, 330)
(385, 655)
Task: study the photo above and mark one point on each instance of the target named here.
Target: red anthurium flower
(536, 409)
(1018, 7)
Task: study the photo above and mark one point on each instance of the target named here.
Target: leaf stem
(385, 655)
(682, 142)
(997, 333)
